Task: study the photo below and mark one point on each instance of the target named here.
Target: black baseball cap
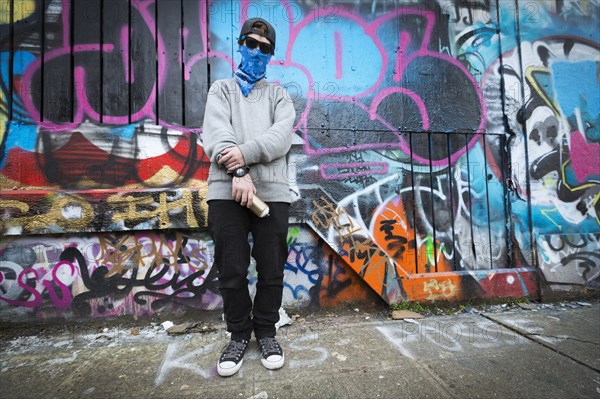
(247, 29)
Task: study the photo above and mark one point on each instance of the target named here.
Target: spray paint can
(259, 208)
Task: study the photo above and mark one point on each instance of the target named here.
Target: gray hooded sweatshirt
(260, 125)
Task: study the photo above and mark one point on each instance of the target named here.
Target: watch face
(240, 172)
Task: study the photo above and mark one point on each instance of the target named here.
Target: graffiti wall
(443, 150)
(148, 272)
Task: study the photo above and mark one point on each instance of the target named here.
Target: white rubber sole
(273, 365)
(228, 371)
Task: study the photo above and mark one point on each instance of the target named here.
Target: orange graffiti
(361, 253)
(393, 233)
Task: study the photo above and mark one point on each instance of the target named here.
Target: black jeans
(229, 224)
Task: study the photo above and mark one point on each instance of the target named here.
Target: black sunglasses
(252, 43)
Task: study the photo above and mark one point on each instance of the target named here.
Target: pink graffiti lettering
(401, 62)
(64, 301)
(32, 302)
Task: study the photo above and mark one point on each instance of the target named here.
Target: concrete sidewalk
(511, 354)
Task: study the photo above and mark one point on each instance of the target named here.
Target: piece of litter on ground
(177, 329)
(367, 318)
(381, 377)
(284, 319)
(527, 306)
(167, 324)
(405, 314)
(184, 387)
(188, 328)
(356, 310)
(411, 321)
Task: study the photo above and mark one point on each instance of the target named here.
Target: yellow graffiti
(165, 176)
(531, 79)
(21, 10)
(67, 213)
(439, 289)
(326, 216)
(594, 205)
(71, 213)
(132, 252)
(134, 211)
(327, 211)
(566, 181)
(2, 124)
(545, 212)
(21, 206)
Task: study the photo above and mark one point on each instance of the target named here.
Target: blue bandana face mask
(252, 68)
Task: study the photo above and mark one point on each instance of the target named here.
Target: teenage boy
(247, 133)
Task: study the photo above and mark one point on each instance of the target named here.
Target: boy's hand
(232, 158)
(243, 190)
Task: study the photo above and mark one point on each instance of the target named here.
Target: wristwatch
(241, 172)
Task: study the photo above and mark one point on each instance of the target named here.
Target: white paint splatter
(173, 361)
(551, 340)
(323, 353)
(260, 395)
(63, 360)
(390, 334)
(72, 212)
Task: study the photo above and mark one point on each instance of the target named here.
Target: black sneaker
(231, 358)
(272, 356)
